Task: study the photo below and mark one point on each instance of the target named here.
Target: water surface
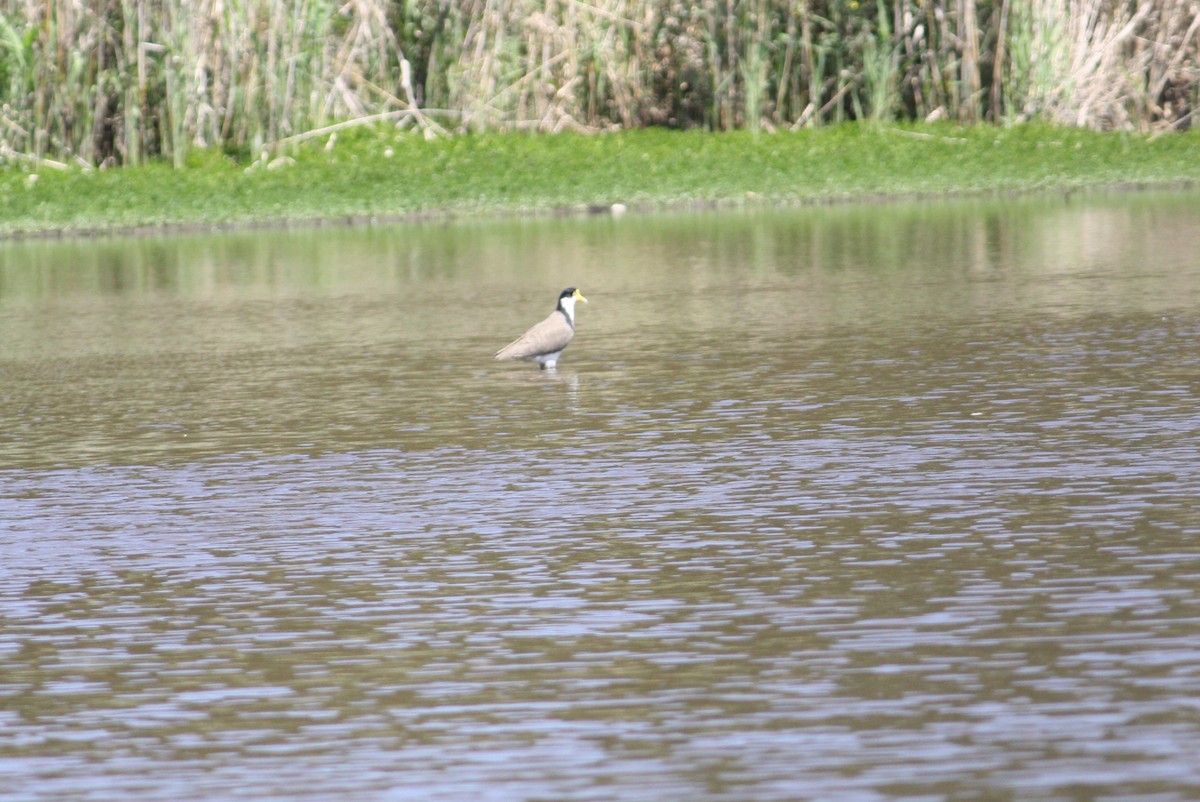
(890, 502)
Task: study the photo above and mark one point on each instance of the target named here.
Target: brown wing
(547, 337)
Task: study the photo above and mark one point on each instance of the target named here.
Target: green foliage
(379, 173)
(119, 82)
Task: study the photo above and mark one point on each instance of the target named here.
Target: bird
(545, 341)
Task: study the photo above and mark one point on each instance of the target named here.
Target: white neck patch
(568, 307)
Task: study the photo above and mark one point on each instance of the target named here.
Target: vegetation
(381, 173)
(123, 82)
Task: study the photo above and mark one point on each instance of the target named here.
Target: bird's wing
(547, 337)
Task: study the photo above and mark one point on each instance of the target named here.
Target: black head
(567, 299)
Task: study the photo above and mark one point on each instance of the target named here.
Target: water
(863, 503)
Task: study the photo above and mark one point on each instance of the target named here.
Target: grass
(126, 82)
(388, 174)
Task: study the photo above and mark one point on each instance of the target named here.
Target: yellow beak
(578, 296)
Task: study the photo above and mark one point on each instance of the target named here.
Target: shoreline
(386, 178)
(615, 209)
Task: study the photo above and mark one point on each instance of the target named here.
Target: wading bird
(545, 341)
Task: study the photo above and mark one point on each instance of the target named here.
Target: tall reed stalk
(106, 82)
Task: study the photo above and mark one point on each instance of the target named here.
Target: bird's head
(566, 303)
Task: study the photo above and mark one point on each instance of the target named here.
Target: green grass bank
(382, 174)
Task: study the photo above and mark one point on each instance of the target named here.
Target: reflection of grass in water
(367, 174)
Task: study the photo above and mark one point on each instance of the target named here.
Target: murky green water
(864, 503)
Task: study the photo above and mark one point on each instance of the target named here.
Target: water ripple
(900, 557)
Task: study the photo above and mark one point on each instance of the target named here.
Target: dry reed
(121, 81)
